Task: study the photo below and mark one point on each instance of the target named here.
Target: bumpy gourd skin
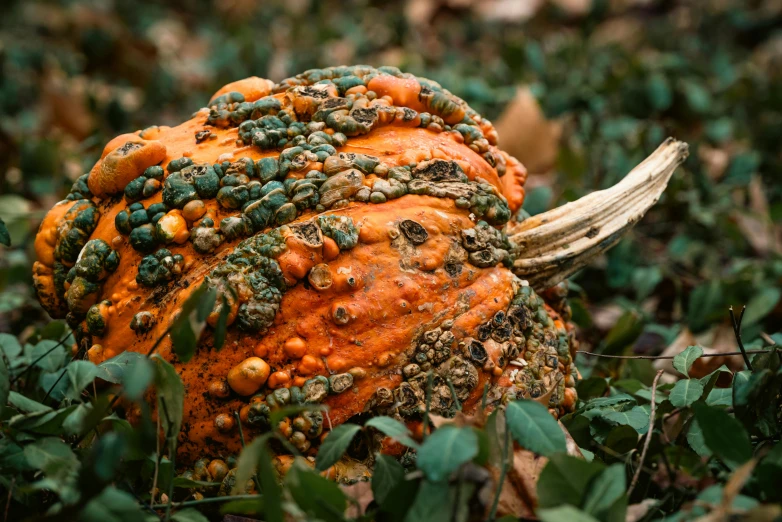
(351, 218)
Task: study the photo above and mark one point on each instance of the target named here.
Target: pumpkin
(364, 232)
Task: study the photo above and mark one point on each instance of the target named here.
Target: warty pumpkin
(364, 230)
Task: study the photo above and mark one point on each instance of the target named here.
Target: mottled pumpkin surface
(351, 219)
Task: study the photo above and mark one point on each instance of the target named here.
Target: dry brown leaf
(757, 226)
(519, 492)
(736, 483)
(526, 134)
(718, 339)
(714, 160)
(545, 399)
(361, 492)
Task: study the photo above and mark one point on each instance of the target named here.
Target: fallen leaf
(526, 134)
(361, 492)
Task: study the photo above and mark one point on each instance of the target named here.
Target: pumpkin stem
(551, 246)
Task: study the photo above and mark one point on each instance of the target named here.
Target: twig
(654, 357)
(737, 333)
(648, 440)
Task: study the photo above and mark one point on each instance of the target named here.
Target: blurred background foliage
(580, 90)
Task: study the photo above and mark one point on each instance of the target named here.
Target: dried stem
(551, 246)
(648, 440)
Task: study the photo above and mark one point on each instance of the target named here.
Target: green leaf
(52, 456)
(696, 441)
(25, 404)
(80, 375)
(534, 428)
(46, 422)
(184, 482)
(106, 455)
(592, 387)
(637, 418)
(318, 497)
(626, 330)
(335, 445)
(432, 503)
(762, 303)
(5, 383)
(659, 92)
(706, 301)
(170, 391)
(138, 377)
(189, 515)
(564, 480)
(270, 485)
(445, 450)
(247, 463)
(191, 320)
(52, 355)
(112, 505)
(564, 514)
(685, 392)
(115, 369)
(605, 490)
(723, 434)
(394, 429)
(388, 473)
(683, 361)
(720, 397)
(5, 237)
(245, 506)
(222, 323)
(710, 380)
(769, 474)
(10, 345)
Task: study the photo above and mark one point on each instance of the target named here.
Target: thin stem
(453, 394)
(210, 500)
(36, 361)
(79, 354)
(485, 395)
(171, 457)
(241, 437)
(10, 497)
(157, 465)
(648, 440)
(503, 473)
(655, 357)
(737, 333)
(429, 383)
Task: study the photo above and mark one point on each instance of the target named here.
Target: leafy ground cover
(699, 440)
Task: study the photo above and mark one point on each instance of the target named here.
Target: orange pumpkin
(354, 221)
